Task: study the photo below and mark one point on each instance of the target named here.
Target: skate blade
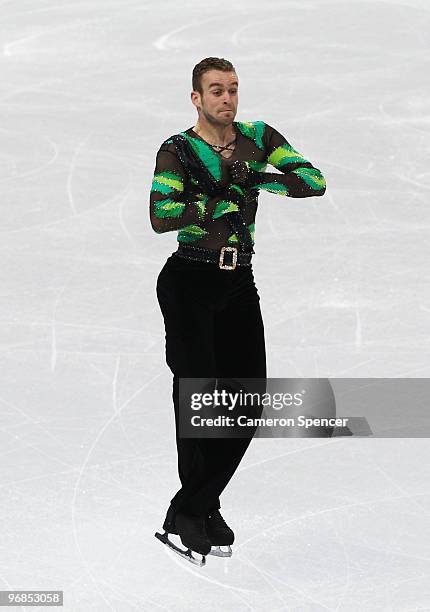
(185, 554)
(218, 552)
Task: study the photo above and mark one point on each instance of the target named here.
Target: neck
(216, 134)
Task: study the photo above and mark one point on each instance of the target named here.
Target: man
(206, 185)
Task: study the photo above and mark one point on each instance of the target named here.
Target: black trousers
(214, 328)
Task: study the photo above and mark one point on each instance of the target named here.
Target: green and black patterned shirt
(178, 204)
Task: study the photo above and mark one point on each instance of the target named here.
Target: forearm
(171, 213)
(302, 182)
(297, 176)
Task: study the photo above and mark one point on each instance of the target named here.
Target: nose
(227, 99)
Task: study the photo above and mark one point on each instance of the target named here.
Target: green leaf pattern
(233, 238)
(167, 182)
(284, 155)
(168, 208)
(223, 207)
(191, 233)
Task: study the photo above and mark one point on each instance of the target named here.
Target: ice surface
(88, 459)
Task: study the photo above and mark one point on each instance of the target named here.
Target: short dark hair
(209, 63)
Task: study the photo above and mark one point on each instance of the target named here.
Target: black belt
(227, 257)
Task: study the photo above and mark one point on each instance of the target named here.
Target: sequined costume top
(177, 203)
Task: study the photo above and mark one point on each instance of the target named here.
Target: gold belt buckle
(221, 258)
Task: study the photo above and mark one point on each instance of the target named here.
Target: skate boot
(192, 531)
(219, 534)
(169, 521)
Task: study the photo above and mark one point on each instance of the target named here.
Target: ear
(195, 97)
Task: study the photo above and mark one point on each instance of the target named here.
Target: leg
(189, 352)
(189, 325)
(239, 352)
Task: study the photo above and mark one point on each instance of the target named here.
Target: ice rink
(89, 91)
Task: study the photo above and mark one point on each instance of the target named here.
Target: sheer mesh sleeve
(299, 178)
(172, 204)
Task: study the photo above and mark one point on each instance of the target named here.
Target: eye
(218, 92)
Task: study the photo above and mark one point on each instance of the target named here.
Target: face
(219, 101)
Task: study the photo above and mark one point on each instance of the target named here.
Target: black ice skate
(219, 534)
(169, 521)
(192, 531)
